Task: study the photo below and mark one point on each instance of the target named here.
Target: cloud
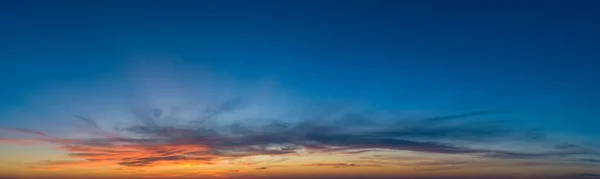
(152, 138)
(521, 155)
(177, 125)
(583, 175)
(341, 165)
(24, 131)
(589, 160)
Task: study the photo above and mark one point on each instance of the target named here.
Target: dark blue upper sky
(538, 59)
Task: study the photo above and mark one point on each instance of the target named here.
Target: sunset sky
(278, 89)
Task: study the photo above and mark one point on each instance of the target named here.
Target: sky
(299, 89)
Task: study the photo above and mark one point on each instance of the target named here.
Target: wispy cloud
(341, 165)
(583, 175)
(152, 139)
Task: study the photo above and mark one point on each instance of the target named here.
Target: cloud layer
(154, 137)
(169, 127)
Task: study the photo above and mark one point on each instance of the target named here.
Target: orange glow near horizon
(368, 164)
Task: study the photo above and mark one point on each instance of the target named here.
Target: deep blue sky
(537, 59)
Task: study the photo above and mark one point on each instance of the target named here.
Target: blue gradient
(537, 59)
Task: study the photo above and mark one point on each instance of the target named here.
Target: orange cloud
(341, 165)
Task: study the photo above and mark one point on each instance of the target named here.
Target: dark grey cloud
(583, 175)
(589, 160)
(523, 155)
(149, 160)
(24, 131)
